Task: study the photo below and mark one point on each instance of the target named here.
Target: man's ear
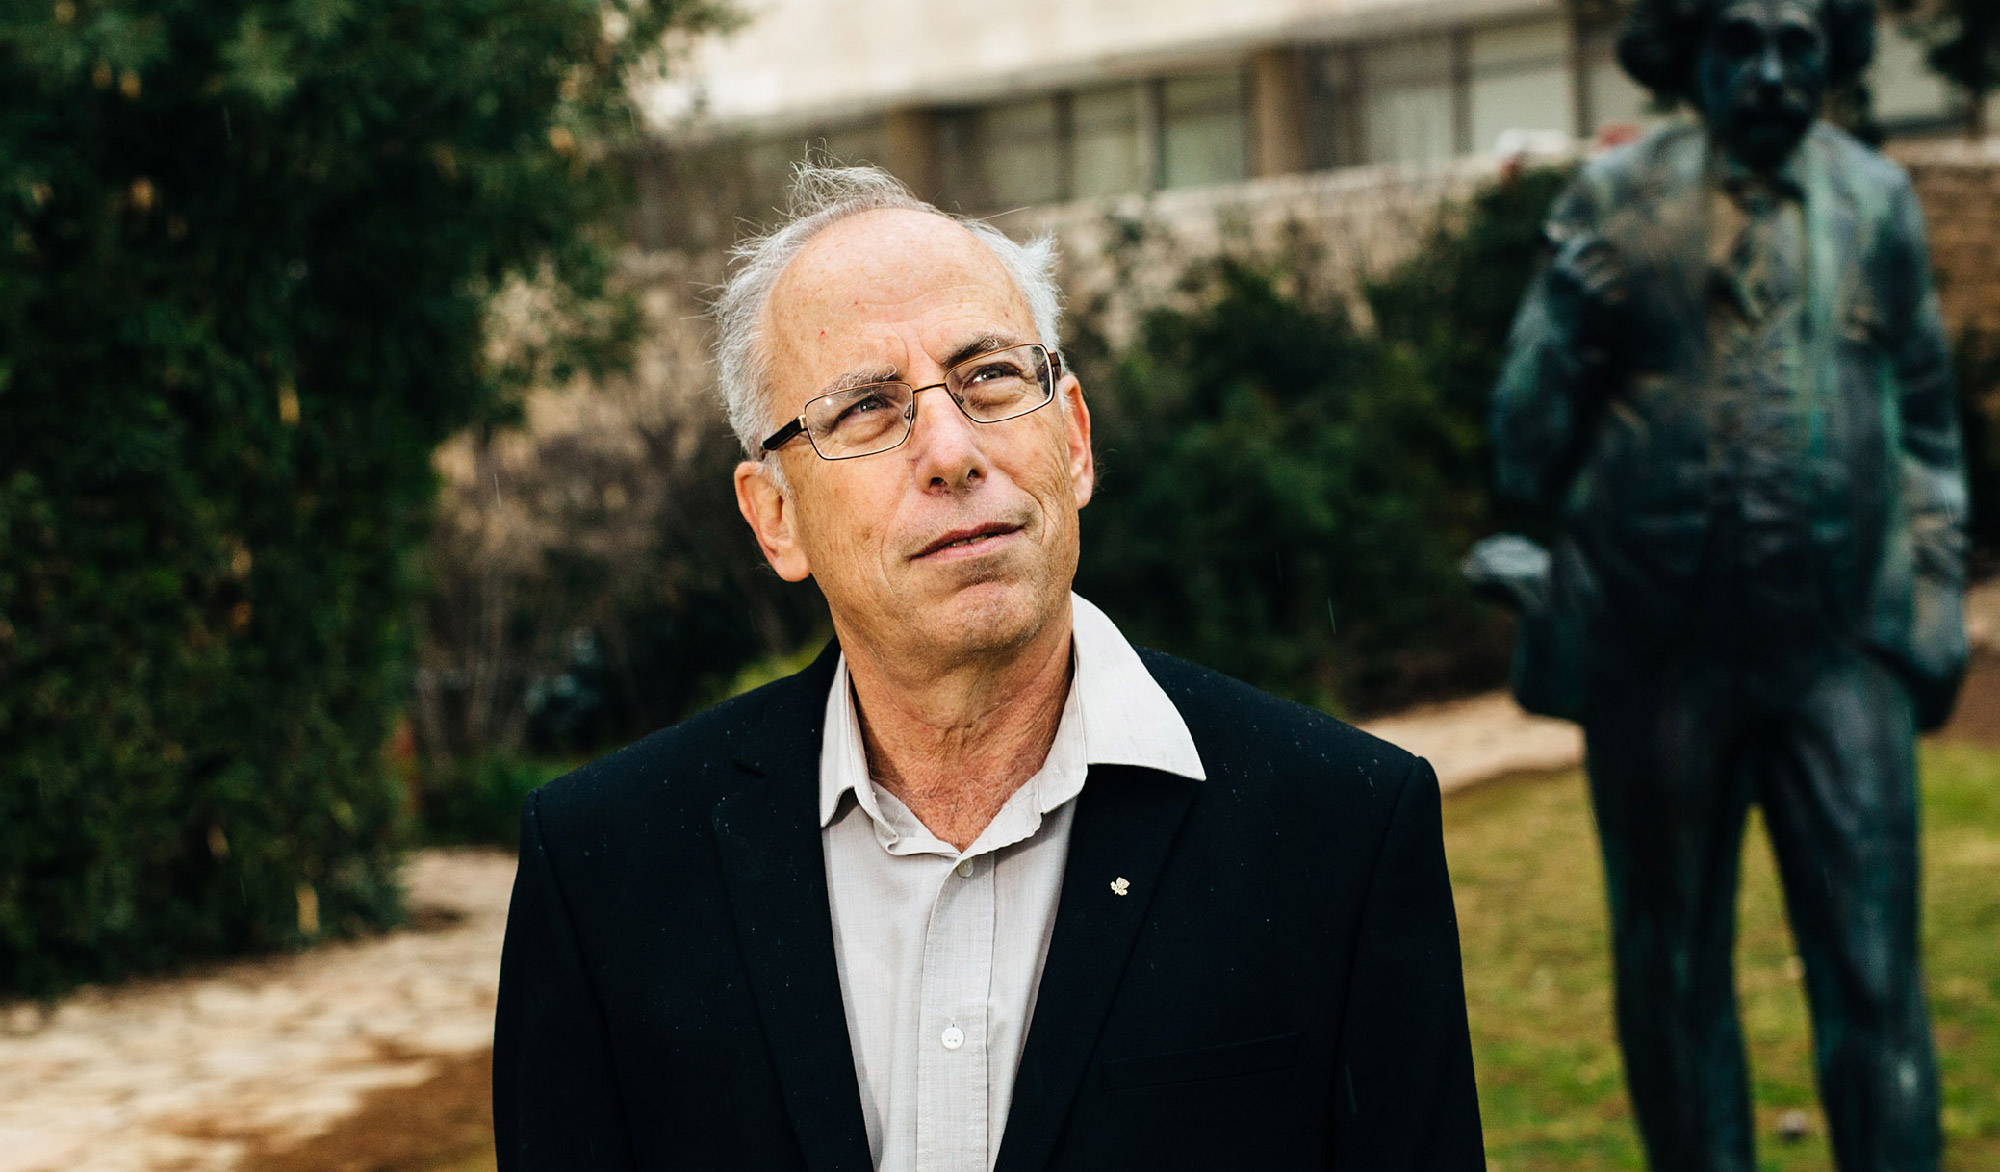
(1076, 429)
(772, 517)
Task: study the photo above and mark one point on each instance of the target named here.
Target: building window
(855, 145)
(1183, 131)
(1202, 135)
(1408, 101)
(768, 162)
(769, 165)
(1106, 150)
(1020, 153)
(1333, 98)
(1522, 84)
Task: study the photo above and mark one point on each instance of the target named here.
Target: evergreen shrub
(1286, 489)
(248, 246)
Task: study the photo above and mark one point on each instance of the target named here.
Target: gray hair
(822, 195)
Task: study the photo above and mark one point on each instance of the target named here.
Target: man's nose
(944, 443)
(1771, 69)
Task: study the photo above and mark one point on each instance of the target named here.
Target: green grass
(1529, 887)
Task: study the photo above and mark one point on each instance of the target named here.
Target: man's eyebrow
(978, 346)
(860, 378)
(887, 374)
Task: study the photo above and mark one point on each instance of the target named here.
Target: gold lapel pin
(1120, 886)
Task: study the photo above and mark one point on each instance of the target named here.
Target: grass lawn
(1529, 887)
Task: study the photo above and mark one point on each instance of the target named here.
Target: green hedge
(476, 801)
(248, 247)
(1286, 492)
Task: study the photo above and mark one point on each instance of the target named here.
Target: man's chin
(1768, 142)
(987, 616)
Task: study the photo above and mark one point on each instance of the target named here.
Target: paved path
(1487, 736)
(193, 1074)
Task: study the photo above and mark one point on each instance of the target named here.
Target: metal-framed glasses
(861, 421)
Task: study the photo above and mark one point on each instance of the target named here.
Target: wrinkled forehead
(887, 266)
(1772, 13)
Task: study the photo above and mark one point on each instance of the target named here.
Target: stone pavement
(1483, 737)
(191, 1075)
(194, 1074)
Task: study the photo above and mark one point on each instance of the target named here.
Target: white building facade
(986, 106)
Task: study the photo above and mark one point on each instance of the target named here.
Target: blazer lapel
(1126, 819)
(769, 836)
(1833, 241)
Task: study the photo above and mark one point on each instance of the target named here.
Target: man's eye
(993, 370)
(863, 406)
(1738, 39)
(1797, 42)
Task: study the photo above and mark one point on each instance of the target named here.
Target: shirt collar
(1115, 714)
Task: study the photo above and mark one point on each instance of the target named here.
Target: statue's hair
(1663, 37)
(822, 195)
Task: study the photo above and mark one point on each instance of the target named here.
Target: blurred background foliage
(1290, 466)
(1291, 473)
(249, 253)
(589, 577)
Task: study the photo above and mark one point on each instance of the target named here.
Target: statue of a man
(1730, 388)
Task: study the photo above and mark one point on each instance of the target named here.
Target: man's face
(1760, 76)
(898, 295)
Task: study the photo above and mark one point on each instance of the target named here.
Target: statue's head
(1756, 70)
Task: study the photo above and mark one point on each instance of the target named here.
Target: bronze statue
(1730, 389)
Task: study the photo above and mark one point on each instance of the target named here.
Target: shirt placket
(953, 1047)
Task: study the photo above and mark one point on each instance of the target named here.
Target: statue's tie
(1763, 271)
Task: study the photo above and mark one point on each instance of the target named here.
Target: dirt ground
(1977, 717)
(374, 1056)
(443, 1124)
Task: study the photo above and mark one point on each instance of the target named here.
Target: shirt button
(965, 869)
(953, 1038)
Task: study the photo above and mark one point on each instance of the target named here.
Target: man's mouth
(967, 538)
(1784, 108)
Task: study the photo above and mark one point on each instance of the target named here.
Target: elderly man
(1731, 386)
(983, 887)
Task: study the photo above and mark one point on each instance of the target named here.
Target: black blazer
(1279, 988)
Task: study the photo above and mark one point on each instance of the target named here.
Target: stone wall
(1336, 228)
(1342, 226)
(1959, 185)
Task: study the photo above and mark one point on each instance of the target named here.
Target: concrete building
(984, 106)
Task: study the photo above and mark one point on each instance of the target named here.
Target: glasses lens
(859, 421)
(1002, 384)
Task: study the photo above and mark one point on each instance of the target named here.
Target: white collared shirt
(940, 951)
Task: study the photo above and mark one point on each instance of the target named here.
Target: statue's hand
(1511, 570)
(1587, 278)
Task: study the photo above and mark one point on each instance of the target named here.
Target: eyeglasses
(864, 420)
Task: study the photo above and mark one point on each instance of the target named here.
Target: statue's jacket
(1609, 427)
